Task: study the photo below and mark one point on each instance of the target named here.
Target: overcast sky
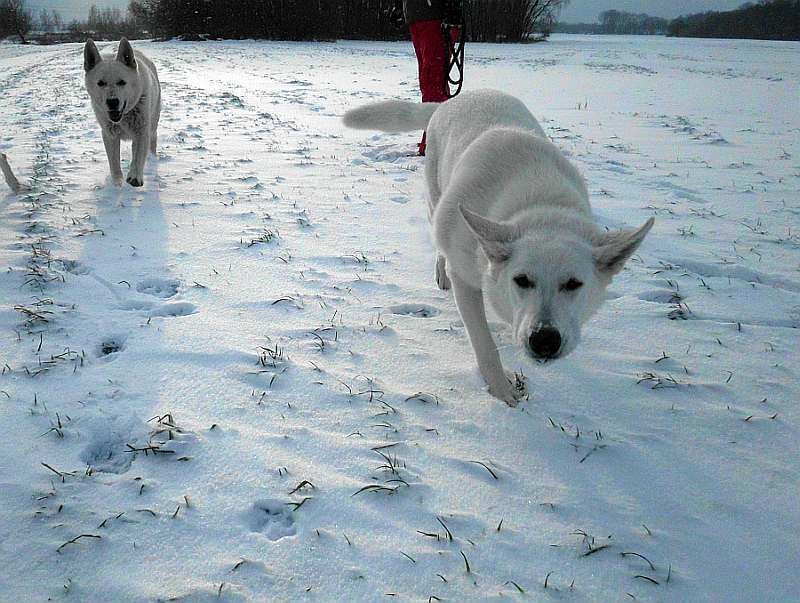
(577, 11)
(74, 9)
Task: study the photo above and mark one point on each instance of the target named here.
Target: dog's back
(488, 141)
(459, 121)
(152, 95)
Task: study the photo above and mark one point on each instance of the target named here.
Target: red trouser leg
(432, 60)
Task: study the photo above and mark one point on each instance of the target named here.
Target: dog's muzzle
(545, 343)
(115, 109)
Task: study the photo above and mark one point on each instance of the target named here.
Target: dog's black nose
(113, 104)
(545, 342)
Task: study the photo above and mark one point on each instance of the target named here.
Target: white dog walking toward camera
(126, 98)
(512, 224)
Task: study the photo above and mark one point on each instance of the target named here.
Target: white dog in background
(512, 224)
(126, 98)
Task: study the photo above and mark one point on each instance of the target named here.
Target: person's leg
(432, 60)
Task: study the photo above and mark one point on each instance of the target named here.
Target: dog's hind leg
(442, 280)
(473, 314)
(154, 142)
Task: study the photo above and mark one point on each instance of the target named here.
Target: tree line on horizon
(616, 22)
(767, 20)
(486, 20)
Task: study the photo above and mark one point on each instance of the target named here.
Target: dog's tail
(391, 116)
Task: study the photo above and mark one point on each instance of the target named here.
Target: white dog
(126, 98)
(512, 224)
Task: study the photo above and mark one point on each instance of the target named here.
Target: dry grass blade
(76, 539)
(304, 484)
(485, 466)
(652, 567)
(446, 529)
(594, 550)
(297, 505)
(466, 562)
(374, 488)
(517, 586)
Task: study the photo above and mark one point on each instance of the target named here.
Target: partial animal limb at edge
(141, 145)
(8, 174)
(442, 280)
(473, 314)
(112, 153)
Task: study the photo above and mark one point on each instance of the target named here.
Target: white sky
(577, 11)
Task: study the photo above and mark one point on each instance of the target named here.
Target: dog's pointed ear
(494, 237)
(615, 248)
(91, 56)
(125, 54)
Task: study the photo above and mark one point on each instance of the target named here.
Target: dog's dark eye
(121, 83)
(101, 84)
(523, 282)
(572, 284)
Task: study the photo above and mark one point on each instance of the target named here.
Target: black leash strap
(454, 74)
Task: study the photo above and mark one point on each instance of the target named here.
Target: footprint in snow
(273, 518)
(661, 296)
(109, 437)
(75, 267)
(111, 345)
(415, 310)
(159, 287)
(174, 308)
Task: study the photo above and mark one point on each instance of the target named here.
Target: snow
(206, 373)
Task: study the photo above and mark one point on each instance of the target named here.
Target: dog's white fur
(8, 175)
(129, 83)
(506, 204)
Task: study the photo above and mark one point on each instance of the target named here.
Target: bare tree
(58, 22)
(45, 21)
(510, 20)
(16, 18)
(21, 18)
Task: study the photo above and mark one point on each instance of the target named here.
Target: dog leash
(455, 37)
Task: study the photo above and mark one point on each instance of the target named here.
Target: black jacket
(430, 10)
(412, 11)
(422, 10)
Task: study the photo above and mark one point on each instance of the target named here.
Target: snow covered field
(240, 383)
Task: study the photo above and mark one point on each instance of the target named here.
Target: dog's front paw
(513, 389)
(135, 181)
